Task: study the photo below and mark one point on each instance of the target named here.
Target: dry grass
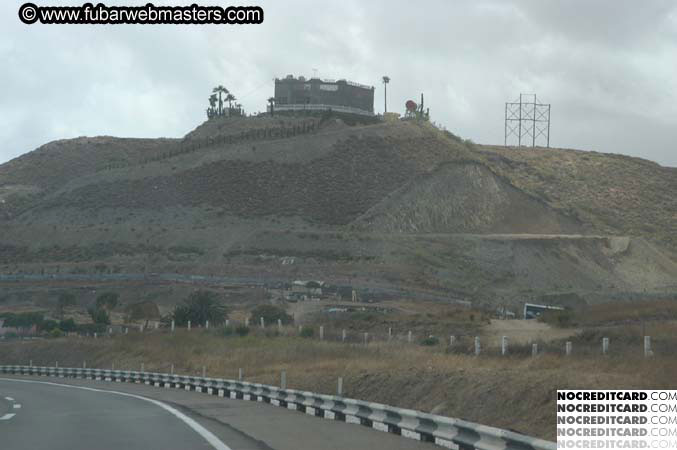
(511, 392)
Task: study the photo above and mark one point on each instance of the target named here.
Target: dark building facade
(314, 94)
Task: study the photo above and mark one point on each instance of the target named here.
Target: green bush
(107, 300)
(68, 325)
(430, 341)
(307, 332)
(56, 333)
(242, 330)
(271, 314)
(199, 307)
(99, 316)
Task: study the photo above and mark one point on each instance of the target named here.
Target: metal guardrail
(444, 431)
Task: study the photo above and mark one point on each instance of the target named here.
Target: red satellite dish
(411, 105)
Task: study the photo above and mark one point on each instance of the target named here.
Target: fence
(186, 146)
(444, 431)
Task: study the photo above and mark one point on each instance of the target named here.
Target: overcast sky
(609, 68)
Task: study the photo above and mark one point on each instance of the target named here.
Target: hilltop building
(314, 94)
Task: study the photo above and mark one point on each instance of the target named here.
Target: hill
(378, 205)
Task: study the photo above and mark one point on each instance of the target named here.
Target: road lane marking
(9, 399)
(16, 406)
(199, 429)
(7, 416)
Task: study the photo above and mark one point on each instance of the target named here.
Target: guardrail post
(409, 337)
(647, 346)
(189, 325)
(478, 348)
(239, 374)
(142, 368)
(451, 340)
(126, 330)
(390, 333)
(84, 364)
(206, 324)
(567, 348)
(366, 338)
(534, 349)
(343, 335)
(339, 388)
(321, 332)
(141, 328)
(605, 345)
(279, 325)
(110, 330)
(283, 380)
(173, 325)
(56, 364)
(95, 335)
(263, 323)
(227, 323)
(246, 322)
(504, 345)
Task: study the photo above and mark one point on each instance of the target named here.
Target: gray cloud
(608, 67)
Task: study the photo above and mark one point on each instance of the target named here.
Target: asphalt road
(63, 415)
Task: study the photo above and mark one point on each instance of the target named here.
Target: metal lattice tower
(527, 121)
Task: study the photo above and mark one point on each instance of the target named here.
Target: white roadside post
(605, 345)
(478, 349)
(239, 374)
(171, 369)
(321, 332)
(246, 322)
(126, 330)
(343, 335)
(534, 350)
(227, 323)
(390, 334)
(204, 371)
(366, 338)
(84, 364)
(647, 346)
(504, 345)
(173, 325)
(206, 324)
(189, 325)
(339, 388)
(263, 323)
(567, 348)
(409, 337)
(279, 325)
(451, 340)
(283, 380)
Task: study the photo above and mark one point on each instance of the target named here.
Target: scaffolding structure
(527, 121)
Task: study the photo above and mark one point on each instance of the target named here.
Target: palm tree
(220, 90)
(271, 100)
(386, 80)
(230, 98)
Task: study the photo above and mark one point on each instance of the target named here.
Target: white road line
(16, 406)
(9, 399)
(199, 429)
(7, 416)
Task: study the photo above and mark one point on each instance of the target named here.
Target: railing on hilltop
(189, 145)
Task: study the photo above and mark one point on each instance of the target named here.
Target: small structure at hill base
(533, 311)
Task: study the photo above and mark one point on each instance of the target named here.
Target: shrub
(107, 300)
(49, 325)
(99, 316)
(307, 332)
(199, 307)
(68, 325)
(430, 341)
(271, 314)
(242, 330)
(56, 333)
